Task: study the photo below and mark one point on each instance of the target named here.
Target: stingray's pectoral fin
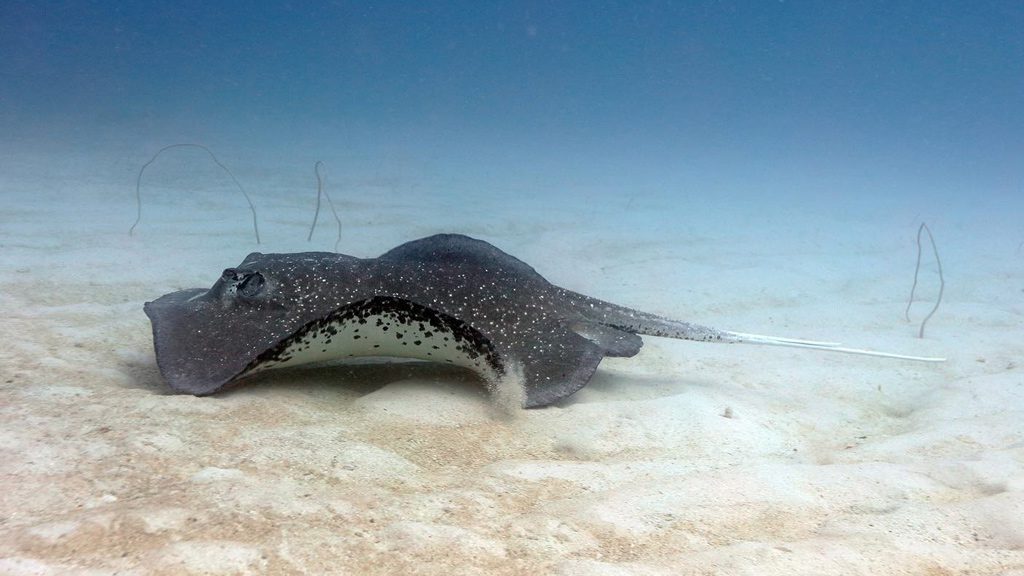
(556, 365)
(745, 338)
(613, 342)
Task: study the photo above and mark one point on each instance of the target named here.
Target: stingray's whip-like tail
(744, 338)
(648, 324)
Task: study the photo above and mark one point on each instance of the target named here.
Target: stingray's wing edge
(557, 365)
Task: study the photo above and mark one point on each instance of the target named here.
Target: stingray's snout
(195, 352)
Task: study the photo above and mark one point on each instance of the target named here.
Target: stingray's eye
(250, 284)
(240, 283)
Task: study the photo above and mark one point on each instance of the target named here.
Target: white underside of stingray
(382, 335)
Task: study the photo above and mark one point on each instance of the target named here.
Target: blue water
(733, 99)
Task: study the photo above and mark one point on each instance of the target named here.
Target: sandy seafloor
(687, 459)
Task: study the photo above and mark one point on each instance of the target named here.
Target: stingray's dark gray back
(459, 250)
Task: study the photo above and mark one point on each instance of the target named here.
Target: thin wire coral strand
(321, 190)
(138, 185)
(917, 268)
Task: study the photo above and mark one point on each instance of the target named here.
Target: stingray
(446, 298)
